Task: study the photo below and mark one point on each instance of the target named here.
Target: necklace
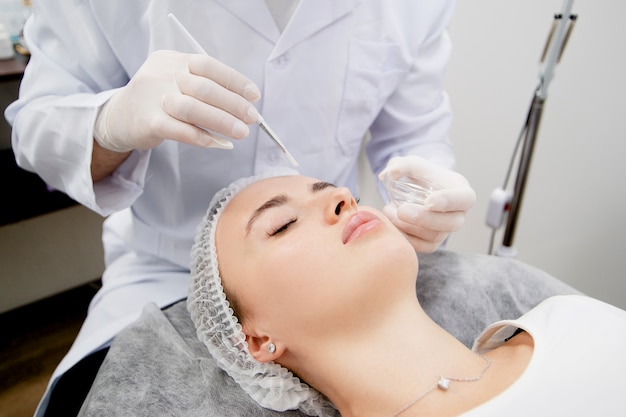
(443, 384)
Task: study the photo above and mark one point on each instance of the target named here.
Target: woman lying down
(308, 302)
(328, 290)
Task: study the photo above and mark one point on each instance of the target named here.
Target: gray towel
(157, 366)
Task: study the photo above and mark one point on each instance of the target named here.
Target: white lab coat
(339, 69)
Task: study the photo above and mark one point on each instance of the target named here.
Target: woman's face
(298, 253)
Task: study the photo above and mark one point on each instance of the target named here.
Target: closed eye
(282, 228)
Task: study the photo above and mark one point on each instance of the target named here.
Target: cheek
(295, 265)
(295, 276)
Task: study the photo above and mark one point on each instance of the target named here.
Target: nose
(338, 204)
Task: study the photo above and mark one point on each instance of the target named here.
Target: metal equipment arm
(555, 45)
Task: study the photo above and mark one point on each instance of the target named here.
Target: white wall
(573, 218)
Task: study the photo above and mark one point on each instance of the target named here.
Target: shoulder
(572, 311)
(581, 306)
(575, 315)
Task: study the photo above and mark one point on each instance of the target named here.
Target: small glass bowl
(407, 189)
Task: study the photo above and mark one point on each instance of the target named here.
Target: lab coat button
(281, 61)
(272, 158)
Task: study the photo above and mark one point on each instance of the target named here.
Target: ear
(258, 348)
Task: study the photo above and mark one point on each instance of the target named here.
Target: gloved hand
(443, 211)
(178, 96)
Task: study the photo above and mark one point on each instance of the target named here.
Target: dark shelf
(24, 194)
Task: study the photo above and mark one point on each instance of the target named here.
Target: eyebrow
(280, 200)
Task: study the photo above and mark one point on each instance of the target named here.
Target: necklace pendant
(443, 384)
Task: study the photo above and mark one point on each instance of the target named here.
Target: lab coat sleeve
(416, 117)
(71, 73)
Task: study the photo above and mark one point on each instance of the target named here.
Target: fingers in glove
(451, 199)
(422, 239)
(214, 94)
(171, 128)
(423, 246)
(397, 168)
(422, 227)
(415, 215)
(195, 112)
(416, 222)
(224, 75)
(418, 167)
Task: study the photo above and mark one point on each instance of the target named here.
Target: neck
(387, 363)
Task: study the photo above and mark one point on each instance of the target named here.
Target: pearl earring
(271, 348)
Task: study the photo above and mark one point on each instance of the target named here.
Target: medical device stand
(505, 204)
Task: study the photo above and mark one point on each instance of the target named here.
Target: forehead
(267, 188)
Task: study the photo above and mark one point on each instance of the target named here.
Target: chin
(396, 257)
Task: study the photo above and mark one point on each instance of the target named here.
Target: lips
(360, 223)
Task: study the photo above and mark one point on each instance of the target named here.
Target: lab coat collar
(310, 17)
(255, 14)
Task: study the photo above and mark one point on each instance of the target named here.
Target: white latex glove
(178, 96)
(443, 211)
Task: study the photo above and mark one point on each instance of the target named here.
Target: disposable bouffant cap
(269, 384)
